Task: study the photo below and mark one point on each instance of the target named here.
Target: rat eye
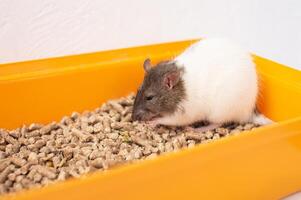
(149, 97)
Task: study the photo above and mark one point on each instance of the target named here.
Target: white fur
(220, 81)
(261, 119)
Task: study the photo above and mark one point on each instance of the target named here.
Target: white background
(31, 29)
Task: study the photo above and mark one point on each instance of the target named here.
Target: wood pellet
(38, 155)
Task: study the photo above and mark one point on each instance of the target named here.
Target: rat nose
(137, 115)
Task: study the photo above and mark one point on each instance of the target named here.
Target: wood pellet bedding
(38, 155)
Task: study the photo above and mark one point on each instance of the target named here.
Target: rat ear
(147, 65)
(172, 78)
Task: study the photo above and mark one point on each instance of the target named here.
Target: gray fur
(165, 100)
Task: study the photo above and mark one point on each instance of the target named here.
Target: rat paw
(209, 127)
(152, 124)
(189, 129)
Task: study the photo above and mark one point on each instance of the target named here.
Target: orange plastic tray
(262, 164)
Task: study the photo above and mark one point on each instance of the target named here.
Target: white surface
(34, 29)
(295, 196)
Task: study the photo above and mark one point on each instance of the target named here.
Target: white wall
(31, 29)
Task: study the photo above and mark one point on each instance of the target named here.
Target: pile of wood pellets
(38, 155)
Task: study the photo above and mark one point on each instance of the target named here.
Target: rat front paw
(152, 124)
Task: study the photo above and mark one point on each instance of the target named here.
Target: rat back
(220, 81)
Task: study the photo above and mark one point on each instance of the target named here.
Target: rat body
(213, 80)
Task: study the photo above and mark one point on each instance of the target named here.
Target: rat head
(161, 91)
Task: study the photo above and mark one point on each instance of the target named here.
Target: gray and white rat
(213, 80)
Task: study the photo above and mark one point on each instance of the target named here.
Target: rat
(213, 80)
